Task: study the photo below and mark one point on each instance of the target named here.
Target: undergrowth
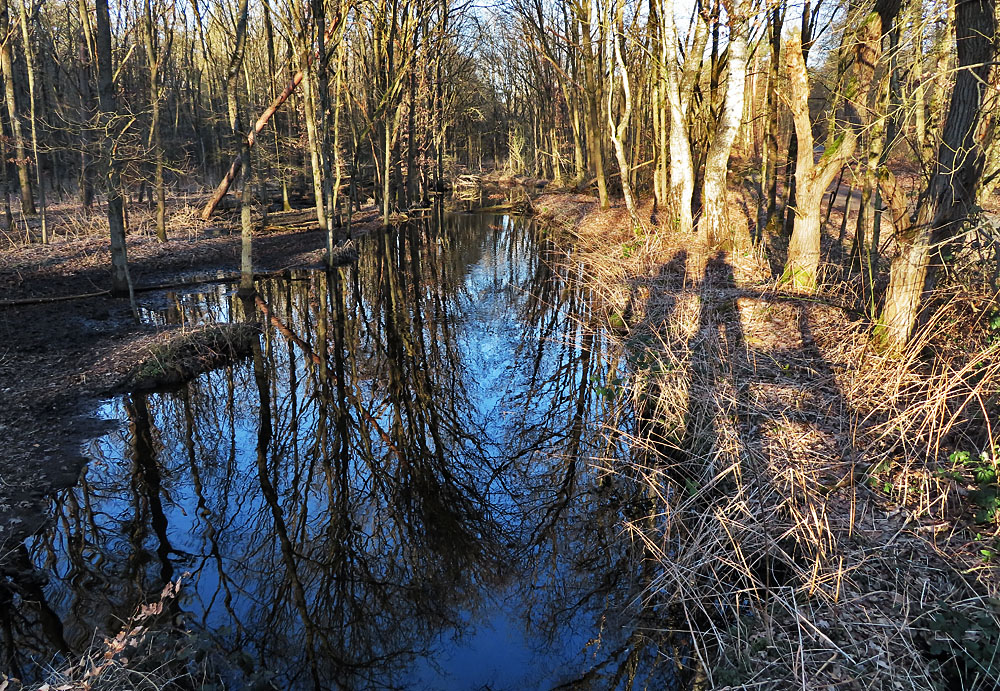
(825, 514)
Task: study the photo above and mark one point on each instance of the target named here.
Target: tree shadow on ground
(751, 455)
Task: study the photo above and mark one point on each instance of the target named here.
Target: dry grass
(180, 356)
(804, 535)
(142, 655)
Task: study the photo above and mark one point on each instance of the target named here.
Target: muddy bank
(58, 358)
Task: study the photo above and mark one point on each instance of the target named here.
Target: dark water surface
(403, 488)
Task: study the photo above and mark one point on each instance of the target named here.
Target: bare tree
(157, 52)
(121, 283)
(712, 223)
(242, 144)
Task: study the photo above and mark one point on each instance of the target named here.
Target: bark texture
(951, 193)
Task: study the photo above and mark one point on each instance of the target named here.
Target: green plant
(983, 468)
(959, 457)
(629, 247)
(993, 327)
(612, 391)
(966, 643)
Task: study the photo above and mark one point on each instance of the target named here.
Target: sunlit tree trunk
(619, 128)
(713, 197)
(951, 192)
(314, 142)
(680, 78)
(812, 178)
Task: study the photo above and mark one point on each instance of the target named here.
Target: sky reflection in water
(401, 495)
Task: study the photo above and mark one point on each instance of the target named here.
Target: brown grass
(804, 535)
(141, 655)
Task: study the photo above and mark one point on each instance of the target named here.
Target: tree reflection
(409, 445)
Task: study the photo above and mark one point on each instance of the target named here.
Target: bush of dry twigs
(141, 655)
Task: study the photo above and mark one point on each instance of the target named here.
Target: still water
(406, 486)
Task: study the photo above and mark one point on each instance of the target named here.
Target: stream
(414, 491)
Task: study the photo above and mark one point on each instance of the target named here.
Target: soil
(58, 358)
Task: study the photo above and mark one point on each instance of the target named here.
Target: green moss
(799, 279)
(834, 146)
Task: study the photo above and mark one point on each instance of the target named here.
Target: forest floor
(809, 533)
(58, 357)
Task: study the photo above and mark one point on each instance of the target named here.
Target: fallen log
(234, 168)
(228, 277)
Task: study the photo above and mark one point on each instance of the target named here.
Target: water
(407, 486)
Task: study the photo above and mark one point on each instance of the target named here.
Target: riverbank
(813, 526)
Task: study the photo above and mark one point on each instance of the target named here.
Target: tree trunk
(619, 128)
(121, 284)
(8, 218)
(812, 178)
(242, 144)
(86, 114)
(20, 150)
(769, 166)
(29, 56)
(314, 136)
(679, 84)
(951, 192)
(337, 163)
(154, 57)
(592, 108)
(713, 196)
